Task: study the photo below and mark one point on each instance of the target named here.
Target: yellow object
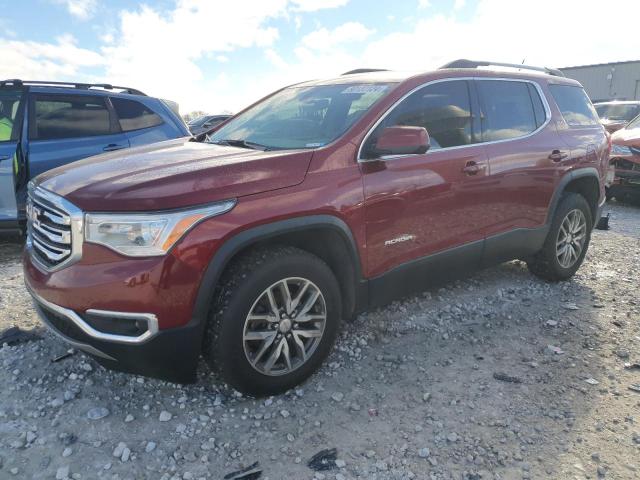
(6, 126)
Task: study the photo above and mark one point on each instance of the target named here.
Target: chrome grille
(54, 228)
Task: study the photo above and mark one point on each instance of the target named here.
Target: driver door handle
(558, 155)
(473, 168)
(114, 146)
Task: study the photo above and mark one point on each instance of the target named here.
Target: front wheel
(274, 321)
(567, 241)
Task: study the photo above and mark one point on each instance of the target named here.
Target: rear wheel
(567, 241)
(275, 320)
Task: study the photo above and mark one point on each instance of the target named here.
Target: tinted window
(444, 109)
(9, 102)
(72, 116)
(574, 104)
(617, 111)
(507, 110)
(134, 115)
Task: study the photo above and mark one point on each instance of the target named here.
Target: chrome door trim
(543, 98)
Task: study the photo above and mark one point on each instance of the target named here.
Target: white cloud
(165, 53)
(424, 3)
(324, 39)
(62, 60)
(313, 5)
(459, 4)
(162, 52)
(499, 33)
(82, 9)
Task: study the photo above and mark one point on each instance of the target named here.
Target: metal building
(608, 81)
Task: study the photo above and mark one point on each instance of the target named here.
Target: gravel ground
(498, 376)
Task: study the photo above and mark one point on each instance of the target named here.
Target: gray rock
(126, 454)
(337, 397)
(117, 452)
(98, 413)
(424, 453)
(151, 446)
(165, 416)
(62, 473)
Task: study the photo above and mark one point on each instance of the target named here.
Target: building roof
(601, 65)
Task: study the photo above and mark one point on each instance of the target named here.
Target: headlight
(620, 150)
(147, 234)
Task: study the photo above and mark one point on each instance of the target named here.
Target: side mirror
(402, 140)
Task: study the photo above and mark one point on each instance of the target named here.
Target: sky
(221, 55)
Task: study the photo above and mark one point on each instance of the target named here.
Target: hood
(627, 137)
(612, 125)
(173, 174)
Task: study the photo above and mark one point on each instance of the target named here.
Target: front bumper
(170, 354)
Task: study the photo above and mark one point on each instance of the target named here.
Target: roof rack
(464, 63)
(364, 70)
(83, 86)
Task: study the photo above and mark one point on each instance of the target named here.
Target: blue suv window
(9, 121)
(134, 115)
(70, 116)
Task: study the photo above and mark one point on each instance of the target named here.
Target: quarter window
(134, 115)
(575, 106)
(509, 111)
(68, 117)
(443, 109)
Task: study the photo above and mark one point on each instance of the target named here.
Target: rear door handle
(558, 155)
(473, 168)
(113, 146)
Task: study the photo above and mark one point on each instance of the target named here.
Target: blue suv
(47, 124)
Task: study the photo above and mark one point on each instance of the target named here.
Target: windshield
(635, 123)
(198, 122)
(301, 117)
(617, 111)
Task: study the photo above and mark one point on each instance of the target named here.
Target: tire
(549, 264)
(229, 347)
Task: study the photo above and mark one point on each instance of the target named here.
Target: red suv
(317, 202)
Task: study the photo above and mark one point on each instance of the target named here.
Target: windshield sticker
(364, 89)
(314, 145)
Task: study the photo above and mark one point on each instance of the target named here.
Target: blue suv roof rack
(464, 63)
(85, 86)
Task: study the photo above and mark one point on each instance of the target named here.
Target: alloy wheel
(284, 326)
(571, 238)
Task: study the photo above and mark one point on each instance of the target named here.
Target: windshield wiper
(242, 144)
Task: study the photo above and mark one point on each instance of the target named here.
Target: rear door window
(575, 106)
(134, 115)
(509, 111)
(60, 116)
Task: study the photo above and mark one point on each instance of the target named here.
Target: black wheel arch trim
(562, 185)
(253, 235)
